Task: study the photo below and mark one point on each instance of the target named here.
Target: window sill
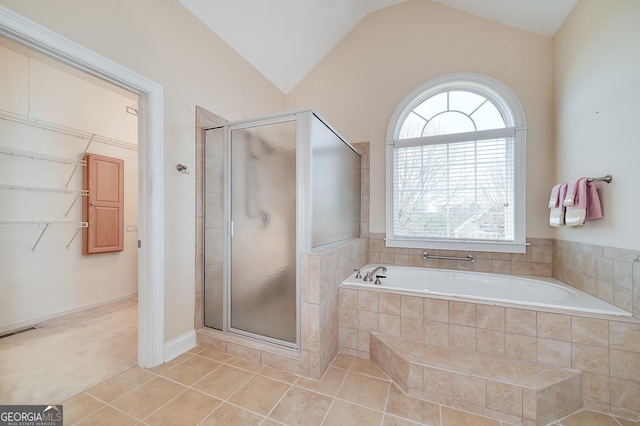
(492, 246)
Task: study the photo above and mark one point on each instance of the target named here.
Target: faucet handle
(377, 281)
(357, 271)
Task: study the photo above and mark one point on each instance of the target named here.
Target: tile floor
(205, 387)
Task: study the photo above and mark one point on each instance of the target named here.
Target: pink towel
(594, 209)
(554, 198)
(556, 217)
(576, 213)
(572, 193)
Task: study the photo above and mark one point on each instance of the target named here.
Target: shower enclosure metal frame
(303, 209)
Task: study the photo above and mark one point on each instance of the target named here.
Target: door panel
(263, 245)
(103, 209)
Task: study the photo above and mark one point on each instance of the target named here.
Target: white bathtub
(477, 286)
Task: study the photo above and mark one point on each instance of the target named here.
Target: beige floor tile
(410, 408)
(228, 414)
(368, 367)
(453, 417)
(107, 417)
(223, 381)
(245, 365)
(260, 394)
(215, 355)
(169, 365)
(274, 373)
(191, 370)
(79, 407)
(344, 413)
(364, 390)
(188, 408)
(269, 422)
(121, 384)
(144, 400)
(390, 420)
(589, 418)
(343, 361)
(625, 422)
(301, 407)
(328, 385)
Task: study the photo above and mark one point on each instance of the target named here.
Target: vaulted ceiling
(285, 39)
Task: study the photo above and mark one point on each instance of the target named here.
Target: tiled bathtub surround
(608, 273)
(606, 350)
(507, 389)
(537, 260)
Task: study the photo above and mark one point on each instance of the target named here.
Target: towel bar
(608, 178)
(470, 258)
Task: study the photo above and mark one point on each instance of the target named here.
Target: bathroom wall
(54, 278)
(164, 42)
(390, 52)
(596, 68)
(584, 81)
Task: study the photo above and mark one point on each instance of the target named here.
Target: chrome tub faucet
(369, 276)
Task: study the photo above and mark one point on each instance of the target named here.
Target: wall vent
(18, 331)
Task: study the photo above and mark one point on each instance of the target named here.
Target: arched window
(456, 167)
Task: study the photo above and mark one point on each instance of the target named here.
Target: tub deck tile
(513, 388)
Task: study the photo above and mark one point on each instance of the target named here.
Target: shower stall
(274, 187)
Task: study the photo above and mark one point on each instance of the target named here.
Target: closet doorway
(71, 319)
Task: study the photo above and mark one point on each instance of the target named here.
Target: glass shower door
(263, 296)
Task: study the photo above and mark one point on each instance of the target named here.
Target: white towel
(576, 214)
(556, 216)
(572, 193)
(554, 198)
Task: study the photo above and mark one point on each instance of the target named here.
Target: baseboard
(179, 345)
(17, 325)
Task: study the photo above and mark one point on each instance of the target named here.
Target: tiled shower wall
(322, 272)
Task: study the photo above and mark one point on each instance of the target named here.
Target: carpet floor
(67, 355)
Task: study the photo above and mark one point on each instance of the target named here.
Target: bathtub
(482, 287)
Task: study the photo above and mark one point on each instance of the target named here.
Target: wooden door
(103, 209)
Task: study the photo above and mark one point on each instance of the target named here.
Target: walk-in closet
(54, 121)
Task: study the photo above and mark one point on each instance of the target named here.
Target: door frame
(21, 30)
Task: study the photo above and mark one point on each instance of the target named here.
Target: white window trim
(518, 128)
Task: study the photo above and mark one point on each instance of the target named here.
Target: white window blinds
(454, 190)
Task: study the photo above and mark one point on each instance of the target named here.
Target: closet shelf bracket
(73, 172)
(40, 237)
(45, 225)
(74, 237)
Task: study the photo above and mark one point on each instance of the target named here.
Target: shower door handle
(231, 228)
